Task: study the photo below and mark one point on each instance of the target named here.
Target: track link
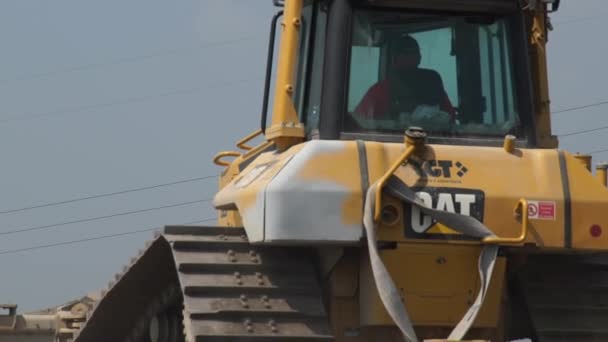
(229, 291)
(567, 297)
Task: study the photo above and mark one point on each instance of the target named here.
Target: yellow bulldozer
(406, 186)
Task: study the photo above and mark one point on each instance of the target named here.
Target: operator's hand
(431, 118)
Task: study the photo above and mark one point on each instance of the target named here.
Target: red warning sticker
(541, 210)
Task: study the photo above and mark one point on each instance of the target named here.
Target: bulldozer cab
(461, 70)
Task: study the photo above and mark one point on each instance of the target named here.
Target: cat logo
(460, 201)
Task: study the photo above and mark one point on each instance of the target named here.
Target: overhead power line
(590, 105)
(583, 131)
(89, 219)
(571, 109)
(128, 100)
(178, 51)
(109, 194)
(598, 151)
(145, 98)
(95, 238)
(123, 60)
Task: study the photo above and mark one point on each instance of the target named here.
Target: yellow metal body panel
(245, 188)
(324, 168)
(308, 171)
(438, 283)
(503, 177)
(244, 192)
(229, 218)
(232, 218)
(589, 202)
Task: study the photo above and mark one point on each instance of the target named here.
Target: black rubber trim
(335, 69)
(364, 172)
(563, 168)
(363, 168)
(499, 6)
(310, 56)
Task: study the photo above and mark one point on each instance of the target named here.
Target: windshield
(451, 75)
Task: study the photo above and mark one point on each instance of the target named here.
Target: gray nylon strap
(389, 294)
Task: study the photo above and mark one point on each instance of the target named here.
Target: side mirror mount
(269, 62)
(554, 5)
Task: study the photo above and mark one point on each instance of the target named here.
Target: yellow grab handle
(521, 209)
(378, 205)
(414, 140)
(242, 144)
(217, 159)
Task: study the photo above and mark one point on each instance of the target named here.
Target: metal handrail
(521, 210)
(242, 144)
(414, 140)
(217, 160)
(378, 205)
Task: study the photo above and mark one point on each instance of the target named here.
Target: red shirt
(376, 102)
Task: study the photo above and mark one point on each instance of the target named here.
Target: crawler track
(568, 297)
(209, 284)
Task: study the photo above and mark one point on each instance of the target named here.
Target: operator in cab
(409, 94)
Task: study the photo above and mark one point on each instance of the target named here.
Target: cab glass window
(451, 75)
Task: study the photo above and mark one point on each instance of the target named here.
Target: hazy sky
(101, 96)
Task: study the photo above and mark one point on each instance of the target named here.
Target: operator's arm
(445, 104)
(375, 102)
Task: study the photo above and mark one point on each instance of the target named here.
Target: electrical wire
(583, 131)
(598, 151)
(590, 105)
(94, 238)
(128, 100)
(124, 60)
(178, 51)
(90, 197)
(89, 219)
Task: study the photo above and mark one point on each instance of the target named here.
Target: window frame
(521, 78)
(316, 30)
